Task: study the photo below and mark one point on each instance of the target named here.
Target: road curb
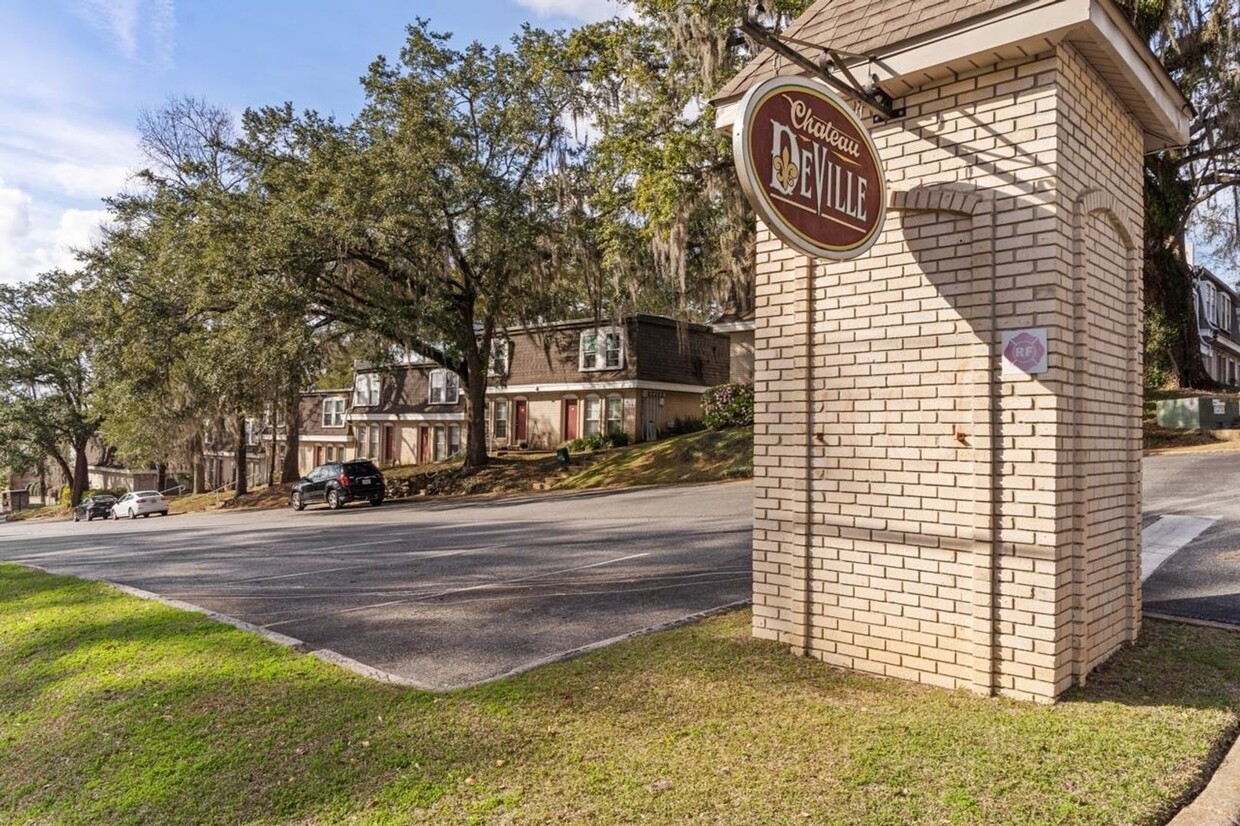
(595, 646)
(378, 674)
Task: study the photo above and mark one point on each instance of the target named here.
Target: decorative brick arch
(933, 199)
(1095, 201)
(1088, 205)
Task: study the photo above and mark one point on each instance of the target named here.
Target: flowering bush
(728, 405)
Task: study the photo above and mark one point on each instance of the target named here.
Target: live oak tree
(432, 220)
(673, 228)
(198, 328)
(47, 378)
(1194, 189)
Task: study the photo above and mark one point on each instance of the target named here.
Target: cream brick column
(918, 514)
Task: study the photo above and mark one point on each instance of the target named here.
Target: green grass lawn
(115, 710)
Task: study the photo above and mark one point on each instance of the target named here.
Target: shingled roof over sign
(864, 26)
(906, 45)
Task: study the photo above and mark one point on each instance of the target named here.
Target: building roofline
(1144, 85)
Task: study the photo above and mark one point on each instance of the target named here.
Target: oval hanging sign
(810, 169)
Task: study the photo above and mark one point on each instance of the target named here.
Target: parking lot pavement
(440, 594)
(1192, 496)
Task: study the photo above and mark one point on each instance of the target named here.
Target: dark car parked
(94, 506)
(339, 483)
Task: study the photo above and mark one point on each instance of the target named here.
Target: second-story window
(333, 412)
(366, 387)
(445, 387)
(1224, 311)
(602, 349)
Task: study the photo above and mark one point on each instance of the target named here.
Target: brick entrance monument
(948, 436)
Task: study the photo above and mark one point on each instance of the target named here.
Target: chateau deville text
(813, 160)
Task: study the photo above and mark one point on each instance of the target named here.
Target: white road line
(538, 576)
(499, 584)
(1166, 536)
(428, 555)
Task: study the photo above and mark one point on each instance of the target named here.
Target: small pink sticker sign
(1024, 352)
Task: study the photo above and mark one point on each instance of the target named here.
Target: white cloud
(22, 258)
(90, 180)
(115, 18)
(65, 153)
(587, 11)
(78, 228)
(138, 28)
(14, 213)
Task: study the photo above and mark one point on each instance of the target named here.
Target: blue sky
(74, 75)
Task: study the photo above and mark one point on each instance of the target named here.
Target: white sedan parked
(140, 503)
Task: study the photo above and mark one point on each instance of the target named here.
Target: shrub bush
(597, 441)
(679, 427)
(117, 492)
(728, 405)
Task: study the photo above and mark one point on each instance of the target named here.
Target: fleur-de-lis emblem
(785, 171)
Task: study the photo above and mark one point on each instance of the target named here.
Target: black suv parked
(339, 483)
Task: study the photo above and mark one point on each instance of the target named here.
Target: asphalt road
(1202, 579)
(440, 594)
(448, 594)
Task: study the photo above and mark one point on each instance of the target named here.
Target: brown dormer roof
(862, 27)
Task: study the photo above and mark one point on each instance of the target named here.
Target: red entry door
(389, 444)
(520, 415)
(424, 445)
(570, 419)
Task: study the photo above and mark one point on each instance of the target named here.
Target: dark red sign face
(809, 168)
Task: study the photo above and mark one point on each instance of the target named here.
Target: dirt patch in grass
(40, 513)
(122, 711)
(265, 497)
(510, 473)
(708, 456)
(1159, 439)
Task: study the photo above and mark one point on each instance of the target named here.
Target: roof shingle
(864, 27)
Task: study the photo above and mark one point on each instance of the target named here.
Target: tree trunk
(291, 471)
(1168, 279)
(78, 481)
(1169, 289)
(243, 486)
(161, 477)
(64, 468)
(197, 464)
(271, 451)
(476, 419)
